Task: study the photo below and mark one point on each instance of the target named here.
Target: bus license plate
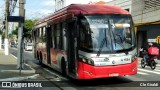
(113, 74)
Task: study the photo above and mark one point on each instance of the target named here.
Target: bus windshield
(106, 33)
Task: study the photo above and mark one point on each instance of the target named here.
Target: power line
(12, 6)
(36, 12)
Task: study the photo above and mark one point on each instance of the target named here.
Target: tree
(15, 32)
(28, 28)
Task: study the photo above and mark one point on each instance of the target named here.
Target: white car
(28, 46)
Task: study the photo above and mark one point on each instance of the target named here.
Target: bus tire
(63, 67)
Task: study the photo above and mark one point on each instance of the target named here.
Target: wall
(142, 10)
(125, 4)
(152, 30)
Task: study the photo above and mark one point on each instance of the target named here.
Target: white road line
(55, 74)
(24, 63)
(29, 66)
(156, 70)
(28, 51)
(142, 73)
(158, 65)
(149, 71)
(20, 78)
(14, 56)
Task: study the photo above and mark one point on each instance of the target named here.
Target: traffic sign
(15, 18)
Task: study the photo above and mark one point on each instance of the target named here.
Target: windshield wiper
(102, 44)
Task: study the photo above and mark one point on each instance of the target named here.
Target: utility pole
(20, 61)
(6, 50)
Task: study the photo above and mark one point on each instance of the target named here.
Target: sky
(39, 8)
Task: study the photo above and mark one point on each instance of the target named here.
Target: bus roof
(85, 9)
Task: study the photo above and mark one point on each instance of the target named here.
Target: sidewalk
(8, 69)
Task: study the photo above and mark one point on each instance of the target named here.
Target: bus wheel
(63, 67)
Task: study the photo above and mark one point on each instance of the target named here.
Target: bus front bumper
(86, 71)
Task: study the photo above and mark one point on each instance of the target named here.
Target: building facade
(146, 16)
(62, 3)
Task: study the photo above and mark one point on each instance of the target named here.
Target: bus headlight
(134, 57)
(87, 60)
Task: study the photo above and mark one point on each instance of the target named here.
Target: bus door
(48, 43)
(72, 47)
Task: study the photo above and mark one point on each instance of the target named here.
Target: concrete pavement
(8, 69)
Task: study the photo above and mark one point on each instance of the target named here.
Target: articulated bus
(87, 41)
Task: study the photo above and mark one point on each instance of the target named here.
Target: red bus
(86, 41)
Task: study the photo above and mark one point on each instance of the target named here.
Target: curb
(20, 78)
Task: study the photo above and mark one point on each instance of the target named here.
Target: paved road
(144, 77)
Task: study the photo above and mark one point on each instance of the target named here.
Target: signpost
(20, 19)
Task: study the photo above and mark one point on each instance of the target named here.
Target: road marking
(28, 51)
(142, 73)
(29, 66)
(14, 56)
(20, 78)
(158, 65)
(149, 71)
(156, 70)
(55, 74)
(24, 63)
(17, 71)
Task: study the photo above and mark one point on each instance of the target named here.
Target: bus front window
(106, 33)
(94, 33)
(121, 28)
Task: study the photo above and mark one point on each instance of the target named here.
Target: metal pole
(20, 62)
(6, 50)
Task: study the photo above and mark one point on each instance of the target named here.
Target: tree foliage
(28, 24)
(28, 27)
(15, 32)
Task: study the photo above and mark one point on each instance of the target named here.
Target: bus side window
(64, 37)
(61, 37)
(57, 36)
(37, 35)
(53, 36)
(40, 35)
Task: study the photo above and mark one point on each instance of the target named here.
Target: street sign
(15, 18)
